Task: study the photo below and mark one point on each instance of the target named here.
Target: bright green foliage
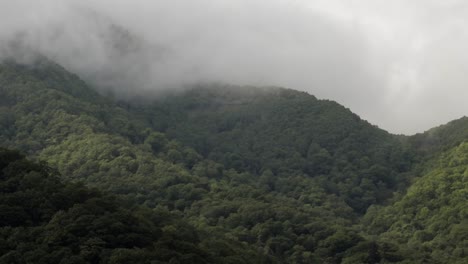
(432, 217)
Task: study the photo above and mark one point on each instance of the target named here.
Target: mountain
(284, 132)
(260, 175)
(52, 115)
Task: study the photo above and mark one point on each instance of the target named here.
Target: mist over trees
(246, 131)
(219, 175)
(385, 60)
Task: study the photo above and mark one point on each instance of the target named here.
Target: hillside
(44, 220)
(52, 115)
(261, 175)
(431, 218)
(441, 138)
(285, 132)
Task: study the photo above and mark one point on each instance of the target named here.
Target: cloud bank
(399, 64)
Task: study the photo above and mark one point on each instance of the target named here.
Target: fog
(398, 64)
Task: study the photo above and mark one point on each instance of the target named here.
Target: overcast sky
(400, 64)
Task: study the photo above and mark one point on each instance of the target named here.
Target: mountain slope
(44, 220)
(242, 216)
(286, 132)
(264, 175)
(52, 115)
(431, 218)
(432, 142)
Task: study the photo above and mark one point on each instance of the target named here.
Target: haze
(399, 64)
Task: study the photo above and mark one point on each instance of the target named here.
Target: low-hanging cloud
(399, 64)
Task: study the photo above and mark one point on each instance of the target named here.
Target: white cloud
(400, 64)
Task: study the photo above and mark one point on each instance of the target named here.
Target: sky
(399, 64)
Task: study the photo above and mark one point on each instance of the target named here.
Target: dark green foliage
(46, 221)
(224, 175)
(442, 137)
(288, 133)
(256, 215)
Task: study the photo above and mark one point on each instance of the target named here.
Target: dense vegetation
(282, 133)
(432, 217)
(46, 221)
(240, 174)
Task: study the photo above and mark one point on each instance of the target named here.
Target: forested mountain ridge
(286, 132)
(263, 175)
(85, 138)
(441, 138)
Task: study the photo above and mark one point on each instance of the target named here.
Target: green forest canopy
(258, 174)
